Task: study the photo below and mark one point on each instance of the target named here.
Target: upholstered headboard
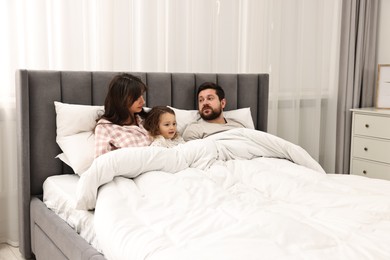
(37, 91)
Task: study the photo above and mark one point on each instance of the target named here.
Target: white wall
(383, 51)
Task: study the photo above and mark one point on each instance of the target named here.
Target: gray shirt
(201, 128)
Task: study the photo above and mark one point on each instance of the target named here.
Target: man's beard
(213, 115)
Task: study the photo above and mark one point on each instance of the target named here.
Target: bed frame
(44, 235)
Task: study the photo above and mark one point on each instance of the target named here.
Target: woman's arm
(102, 140)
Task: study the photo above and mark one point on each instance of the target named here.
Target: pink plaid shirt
(109, 136)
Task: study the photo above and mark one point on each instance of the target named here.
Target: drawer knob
(367, 125)
(365, 149)
(364, 172)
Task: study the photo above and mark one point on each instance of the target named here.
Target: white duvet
(241, 194)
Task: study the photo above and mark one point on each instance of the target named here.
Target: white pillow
(185, 117)
(242, 115)
(75, 124)
(73, 119)
(79, 150)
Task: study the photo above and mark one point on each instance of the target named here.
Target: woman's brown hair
(124, 90)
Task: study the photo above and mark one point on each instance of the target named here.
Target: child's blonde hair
(152, 120)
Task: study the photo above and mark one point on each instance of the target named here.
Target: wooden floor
(8, 252)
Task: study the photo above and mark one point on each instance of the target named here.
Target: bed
(238, 194)
(44, 235)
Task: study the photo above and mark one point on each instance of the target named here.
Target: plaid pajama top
(109, 136)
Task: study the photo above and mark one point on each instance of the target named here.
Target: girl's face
(136, 107)
(167, 125)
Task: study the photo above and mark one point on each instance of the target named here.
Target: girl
(121, 125)
(161, 124)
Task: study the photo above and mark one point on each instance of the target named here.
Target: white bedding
(59, 195)
(241, 194)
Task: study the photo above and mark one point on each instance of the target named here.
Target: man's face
(210, 107)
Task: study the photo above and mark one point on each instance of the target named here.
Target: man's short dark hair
(211, 85)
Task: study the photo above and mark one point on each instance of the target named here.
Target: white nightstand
(370, 143)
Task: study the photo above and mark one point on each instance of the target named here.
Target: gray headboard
(37, 90)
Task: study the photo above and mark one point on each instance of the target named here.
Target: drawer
(370, 169)
(372, 149)
(369, 125)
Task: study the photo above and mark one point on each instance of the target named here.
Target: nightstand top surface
(372, 110)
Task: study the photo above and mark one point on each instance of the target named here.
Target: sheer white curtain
(295, 41)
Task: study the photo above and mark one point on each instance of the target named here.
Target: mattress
(59, 195)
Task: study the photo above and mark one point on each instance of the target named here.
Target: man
(211, 102)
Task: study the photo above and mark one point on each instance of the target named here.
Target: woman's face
(136, 107)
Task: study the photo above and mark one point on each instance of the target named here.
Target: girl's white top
(168, 143)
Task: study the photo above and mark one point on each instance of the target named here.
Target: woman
(121, 125)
